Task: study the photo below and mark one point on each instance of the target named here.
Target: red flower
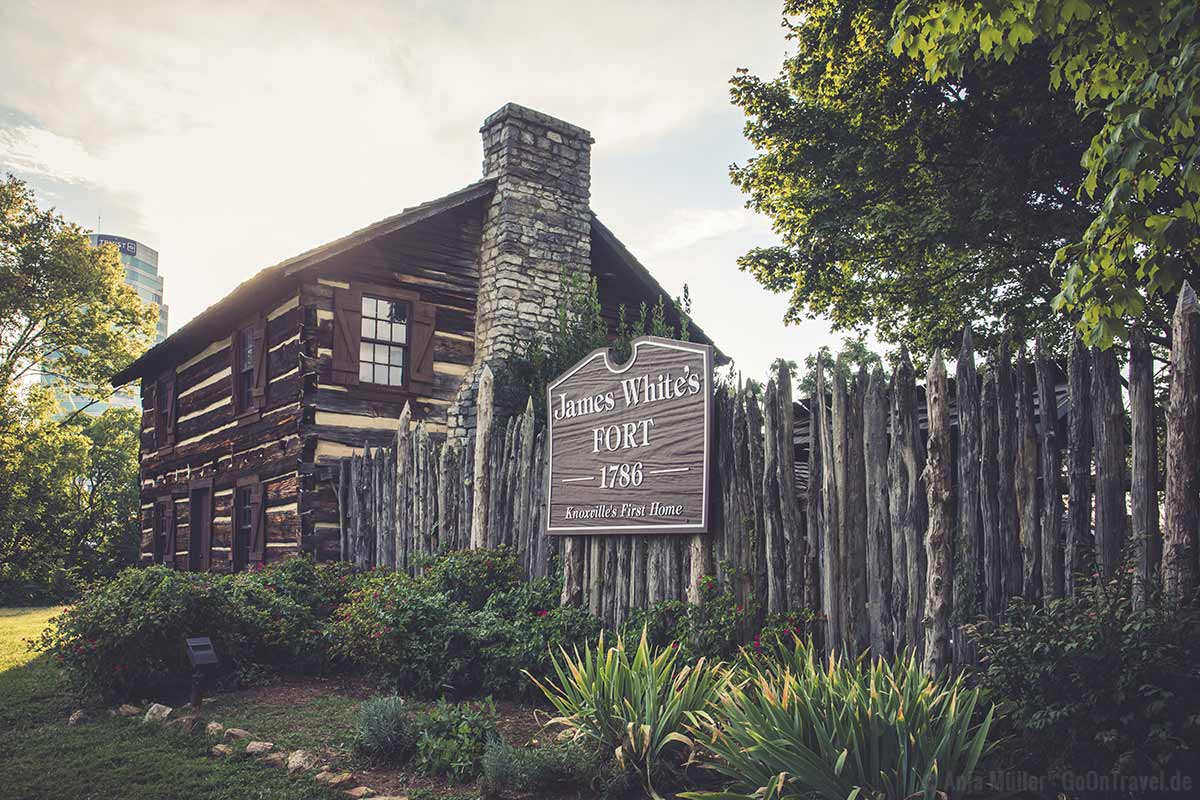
(541, 612)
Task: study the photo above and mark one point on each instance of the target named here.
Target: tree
(65, 309)
(1134, 71)
(68, 490)
(908, 206)
(853, 356)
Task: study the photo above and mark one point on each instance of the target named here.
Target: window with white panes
(383, 351)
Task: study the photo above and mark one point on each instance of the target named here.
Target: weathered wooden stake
(879, 523)
(1027, 485)
(1052, 506)
(1109, 421)
(939, 541)
(1078, 549)
(484, 409)
(968, 544)
(1180, 570)
(1143, 485)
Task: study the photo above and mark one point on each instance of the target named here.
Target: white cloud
(688, 226)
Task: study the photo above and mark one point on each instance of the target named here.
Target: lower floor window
(243, 528)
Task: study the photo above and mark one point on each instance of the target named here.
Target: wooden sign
(630, 444)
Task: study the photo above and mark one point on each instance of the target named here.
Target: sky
(230, 136)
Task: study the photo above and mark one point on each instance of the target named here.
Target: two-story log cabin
(246, 405)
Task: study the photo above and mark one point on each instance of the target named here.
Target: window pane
(381, 374)
(396, 356)
(364, 351)
(384, 332)
(368, 328)
(368, 306)
(364, 371)
(397, 376)
(400, 333)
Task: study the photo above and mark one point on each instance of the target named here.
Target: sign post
(630, 445)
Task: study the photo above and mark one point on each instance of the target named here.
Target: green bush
(796, 728)
(384, 730)
(711, 629)
(127, 635)
(1095, 684)
(635, 705)
(396, 627)
(452, 738)
(471, 577)
(537, 770)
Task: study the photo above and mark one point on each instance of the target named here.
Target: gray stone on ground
(78, 717)
(127, 710)
(214, 729)
(301, 760)
(187, 724)
(360, 792)
(236, 733)
(334, 778)
(157, 712)
(259, 748)
(278, 760)
(221, 750)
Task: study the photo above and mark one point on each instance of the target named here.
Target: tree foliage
(68, 498)
(68, 489)
(909, 206)
(1133, 70)
(64, 306)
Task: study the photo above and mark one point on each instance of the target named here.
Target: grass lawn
(109, 757)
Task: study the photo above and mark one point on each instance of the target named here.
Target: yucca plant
(800, 727)
(637, 705)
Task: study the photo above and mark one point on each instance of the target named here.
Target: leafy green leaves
(1135, 69)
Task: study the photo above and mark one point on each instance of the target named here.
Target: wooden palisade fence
(900, 513)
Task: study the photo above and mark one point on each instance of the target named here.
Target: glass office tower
(141, 272)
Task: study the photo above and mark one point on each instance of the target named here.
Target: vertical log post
(968, 546)
(772, 513)
(1026, 483)
(907, 499)
(854, 520)
(1109, 422)
(939, 541)
(1143, 484)
(793, 519)
(1052, 506)
(1078, 552)
(484, 404)
(989, 495)
(879, 524)
(1180, 571)
(831, 560)
(1006, 456)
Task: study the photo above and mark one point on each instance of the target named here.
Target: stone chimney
(536, 234)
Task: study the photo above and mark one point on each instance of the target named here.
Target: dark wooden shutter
(235, 369)
(259, 339)
(168, 521)
(423, 325)
(258, 533)
(347, 334)
(169, 388)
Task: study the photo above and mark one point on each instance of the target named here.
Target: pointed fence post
(1027, 486)
(1078, 548)
(1052, 505)
(879, 524)
(968, 546)
(939, 541)
(484, 405)
(1143, 484)
(989, 492)
(1006, 456)
(1109, 423)
(1180, 571)
(831, 561)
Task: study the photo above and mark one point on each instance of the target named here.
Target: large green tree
(907, 206)
(1133, 71)
(68, 489)
(65, 308)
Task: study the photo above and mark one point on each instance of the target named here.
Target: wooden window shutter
(258, 533)
(259, 335)
(235, 368)
(168, 521)
(347, 334)
(424, 323)
(169, 387)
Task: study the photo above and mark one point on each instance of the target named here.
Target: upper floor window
(384, 344)
(244, 377)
